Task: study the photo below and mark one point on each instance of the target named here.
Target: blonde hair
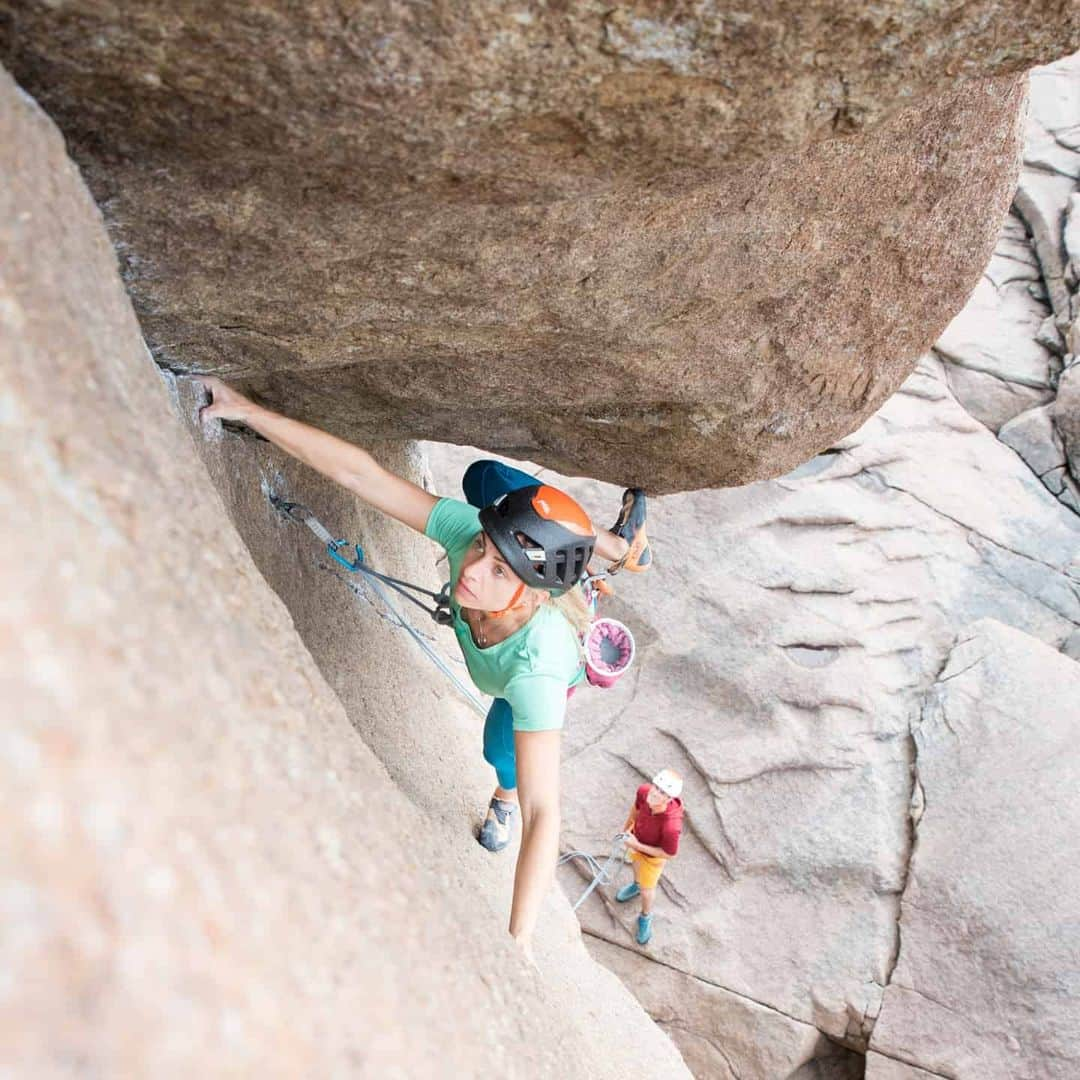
(575, 607)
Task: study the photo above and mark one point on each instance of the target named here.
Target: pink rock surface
(204, 871)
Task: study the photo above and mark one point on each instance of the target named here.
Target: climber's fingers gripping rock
(225, 402)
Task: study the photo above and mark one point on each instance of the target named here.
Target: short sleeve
(452, 524)
(537, 701)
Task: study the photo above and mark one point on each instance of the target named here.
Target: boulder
(985, 982)
(1036, 439)
(1050, 174)
(686, 248)
(205, 869)
(1067, 418)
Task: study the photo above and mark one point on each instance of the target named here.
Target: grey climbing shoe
(497, 827)
(627, 892)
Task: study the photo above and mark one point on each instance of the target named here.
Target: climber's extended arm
(335, 458)
(537, 758)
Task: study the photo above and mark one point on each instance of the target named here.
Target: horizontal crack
(707, 982)
(963, 524)
(912, 1064)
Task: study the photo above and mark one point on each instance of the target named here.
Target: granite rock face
(677, 245)
(985, 984)
(1011, 354)
(791, 638)
(205, 870)
(796, 637)
(787, 639)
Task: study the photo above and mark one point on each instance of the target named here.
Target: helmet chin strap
(513, 603)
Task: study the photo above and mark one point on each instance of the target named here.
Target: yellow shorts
(647, 869)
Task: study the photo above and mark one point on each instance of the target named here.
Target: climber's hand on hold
(225, 402)
(340, 461)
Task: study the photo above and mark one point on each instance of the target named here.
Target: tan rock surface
(694, 245)
(724, 1036)
(1010, 355)
(985, 984)
(787, 637)
(204, 870)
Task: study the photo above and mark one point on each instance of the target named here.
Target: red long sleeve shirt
(658, 830)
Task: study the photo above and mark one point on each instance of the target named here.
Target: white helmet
(669, 782)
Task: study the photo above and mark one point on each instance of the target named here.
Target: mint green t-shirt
(533, 668)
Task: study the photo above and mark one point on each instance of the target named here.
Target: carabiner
(333, 550)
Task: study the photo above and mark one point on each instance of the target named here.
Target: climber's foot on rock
(498, 825)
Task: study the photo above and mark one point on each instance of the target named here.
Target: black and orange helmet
(543, 534)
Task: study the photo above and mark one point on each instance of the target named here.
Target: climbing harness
(602, 875)
(440, 611)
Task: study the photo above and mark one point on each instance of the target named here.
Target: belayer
(516, 549)
(651, 833)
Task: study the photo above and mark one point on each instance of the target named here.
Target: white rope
(300, 514)
(602, 875)
(436, 659)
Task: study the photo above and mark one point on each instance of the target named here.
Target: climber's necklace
(480, 620)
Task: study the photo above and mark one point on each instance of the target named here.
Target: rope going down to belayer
(439, 611)
(602, 875)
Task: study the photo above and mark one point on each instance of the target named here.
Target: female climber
(512, 548)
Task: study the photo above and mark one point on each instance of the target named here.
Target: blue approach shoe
(644, 929)
(495, 832)
(627, 892)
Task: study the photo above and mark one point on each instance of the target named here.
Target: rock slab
(191, 880)
(786, 639)
(986, 981)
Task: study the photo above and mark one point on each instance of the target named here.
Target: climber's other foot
(630, 525)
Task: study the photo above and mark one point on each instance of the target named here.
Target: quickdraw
(440, 612)
(299, 513)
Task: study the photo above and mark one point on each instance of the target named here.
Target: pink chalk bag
(609, 651)
(608, 645)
